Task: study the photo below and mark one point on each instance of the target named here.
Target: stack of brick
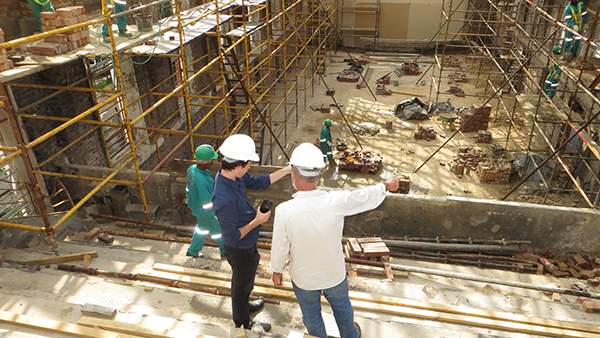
(477, 119)
(62, 43)
(575, 266)
(467, 159)
(496, 171)
(484, 136)
(425, 133)
(5, 63)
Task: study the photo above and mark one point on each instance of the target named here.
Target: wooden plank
(354, 246)
(58, 327)
(61, 259)
(371, 297)
(86, 261)
(139, 330)
(470, 320)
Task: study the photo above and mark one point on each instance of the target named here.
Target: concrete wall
(16, 238)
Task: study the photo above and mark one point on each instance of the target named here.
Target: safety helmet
(328, 123)
(556, 49)
(205, 152)
(307, 156)
(239, 147)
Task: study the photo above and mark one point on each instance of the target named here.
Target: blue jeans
(337, 296)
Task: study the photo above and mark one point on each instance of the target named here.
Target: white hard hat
(307, 156)
(239, 147)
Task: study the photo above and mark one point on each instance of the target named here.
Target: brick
(85, 33)
(2, 259)
(581, 261)
(66, 12)
(540, 269)
(597, 272)
(68, 21)
(559, 273)
(546, 252)
(46, 49)
(591, 306)
(574, 272)
(74, 37)
(528, 250)
(71, 46)
(49, 15)
(92, 234)
(530, 257)
(587, 274)
(563, 266)
(556, 297)
(48, 28)
(593, 282)
(82, 18)
(106, 238)
(58, 38)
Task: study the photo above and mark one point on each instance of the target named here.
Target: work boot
(105, 38)
(256, 305)
(259, 327)
(358, 329)
(199, 255)
(125, 33)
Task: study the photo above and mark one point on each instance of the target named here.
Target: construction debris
(457, 77)
(411, 68)
(383, 79)
(348, 76)
(484, 136)
(381, 90)
(450, 61)
(425, 133)
(364, 162)
(456, 91)
(476, 119)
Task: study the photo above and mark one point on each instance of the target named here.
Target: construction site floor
(172, 312)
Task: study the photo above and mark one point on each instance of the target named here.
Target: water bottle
(548, 265)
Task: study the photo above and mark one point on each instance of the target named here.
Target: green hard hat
(205, 152)
(556, 49)
(328, 123)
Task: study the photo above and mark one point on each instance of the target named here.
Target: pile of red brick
(62, 43)
(5, 63)
(467, 159)
(484, 136)
(496, 171)
(425, 133)
(477, 119)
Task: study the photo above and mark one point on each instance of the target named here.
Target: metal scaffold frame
(260, 61)
(510, 46)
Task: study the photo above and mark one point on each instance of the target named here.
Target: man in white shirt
(308, 229)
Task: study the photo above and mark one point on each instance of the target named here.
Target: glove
(576, 28)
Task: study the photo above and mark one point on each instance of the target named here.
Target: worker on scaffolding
(576, 17)
(119, 6)
(39, 6)
(554, 73)
(326, 142)
(199, 192)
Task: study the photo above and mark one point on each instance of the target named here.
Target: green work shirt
(199, 190)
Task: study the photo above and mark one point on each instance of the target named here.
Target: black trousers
(244, 263)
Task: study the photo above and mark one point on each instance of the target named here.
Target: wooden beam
(58, 327)
(396, 301)
(61, 259)
(127, 328)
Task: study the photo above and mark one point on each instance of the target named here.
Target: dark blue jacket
(233, 209)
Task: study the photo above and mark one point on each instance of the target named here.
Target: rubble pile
(364, 162)
(574, 265)
(484, 136)
(425, 133)
(62, 43)
(494, 171)
(450, 61)
(475, 120)
(467, 158)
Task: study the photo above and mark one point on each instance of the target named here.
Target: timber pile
(367, 248)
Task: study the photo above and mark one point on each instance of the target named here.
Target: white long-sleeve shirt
(308, 229)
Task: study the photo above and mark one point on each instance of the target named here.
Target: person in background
(326, 142)
(199, 192)
(39, 6)
(554, 72)
(308, 229)
(576, 17)
(241, 223)
(119, 6)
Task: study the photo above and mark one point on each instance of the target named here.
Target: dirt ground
(395, 144)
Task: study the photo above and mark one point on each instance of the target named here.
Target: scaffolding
(505, 49)
(197, 76)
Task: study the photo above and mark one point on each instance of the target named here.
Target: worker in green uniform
(554, 72)
(39, 6)
(576, 17)
(325, 142)
(119, 6)
(199, 190)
